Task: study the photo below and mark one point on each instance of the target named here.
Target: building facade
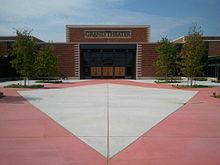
(109, 51)
(106, 52)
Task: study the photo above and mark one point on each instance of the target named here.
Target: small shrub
(215, 95)
(200, 78)
(188, 86)
(23, 86)
(50, 81)
(1, 94)
(168, 81)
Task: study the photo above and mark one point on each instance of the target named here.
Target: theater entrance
(107, 61)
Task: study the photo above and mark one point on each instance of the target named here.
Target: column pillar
(139, 61)
(77, 60)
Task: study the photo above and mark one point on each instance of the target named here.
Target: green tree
(166, 62)
(46, 62)
(24, 51)
(192, 54)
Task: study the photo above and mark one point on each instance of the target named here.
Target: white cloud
(48, 18)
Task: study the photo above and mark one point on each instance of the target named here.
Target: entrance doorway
(108, 61)
(108, 72)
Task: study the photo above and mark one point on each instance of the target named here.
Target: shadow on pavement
(16, 99)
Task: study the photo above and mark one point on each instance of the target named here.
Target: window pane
(107, 58)
(86, 71)
(119, 59)
(129, 71)
(96, 59)
(130, 59)
(86, 59)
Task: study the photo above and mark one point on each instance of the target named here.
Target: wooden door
(96, 71)
(107, 71)
(119, 71)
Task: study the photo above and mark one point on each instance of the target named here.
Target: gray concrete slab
(97, 116)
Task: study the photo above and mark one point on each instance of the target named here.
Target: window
(119, 59)
(96, 59)
(86, 59)
(107, 59)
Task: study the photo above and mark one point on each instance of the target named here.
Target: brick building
(109, 51)
(106, 52)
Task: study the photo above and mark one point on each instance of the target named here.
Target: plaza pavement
(130, 122)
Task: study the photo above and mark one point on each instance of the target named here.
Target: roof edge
(107, 26)
(178, 38)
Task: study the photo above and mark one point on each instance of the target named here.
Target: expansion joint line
(107, 108)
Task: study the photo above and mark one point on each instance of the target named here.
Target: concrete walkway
(92, 120)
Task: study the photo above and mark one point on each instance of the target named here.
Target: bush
(215, 95)
(200, 78)
(218, 81)
(50, 81)
(168, 81)
(189, 86)
(1, 94)
(23, 86)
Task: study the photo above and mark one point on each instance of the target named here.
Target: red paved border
(30, 137)
(189, 136)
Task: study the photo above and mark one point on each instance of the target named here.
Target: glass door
(107, 63)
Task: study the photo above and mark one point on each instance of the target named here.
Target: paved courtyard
(109, 122)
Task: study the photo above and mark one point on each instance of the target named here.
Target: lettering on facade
(107, 34)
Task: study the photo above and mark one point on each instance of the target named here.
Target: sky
(47, 18)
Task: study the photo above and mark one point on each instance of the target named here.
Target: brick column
(139, 61)
(77, 60)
